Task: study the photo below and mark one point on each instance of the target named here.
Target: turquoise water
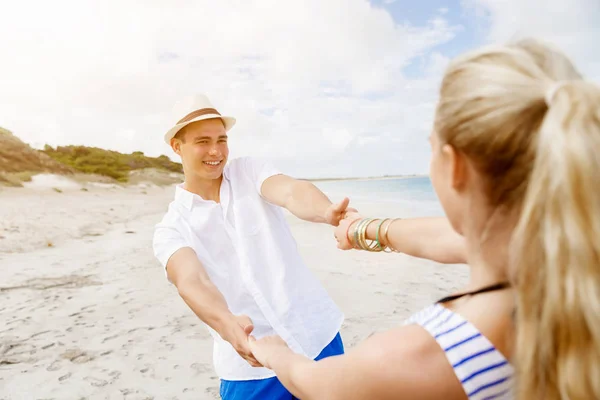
(413, 194)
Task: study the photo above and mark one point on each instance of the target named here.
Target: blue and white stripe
(483, 371)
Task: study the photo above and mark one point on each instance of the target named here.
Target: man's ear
(457, 163)
(176, 146)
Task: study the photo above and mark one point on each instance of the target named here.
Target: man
(227, 248)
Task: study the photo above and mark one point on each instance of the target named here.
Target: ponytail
(556, 253)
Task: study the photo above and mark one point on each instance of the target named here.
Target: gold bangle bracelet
(362, 234)
(356, 234)
(378, 236)
(372, 246)
(385, 234)
(350, 234)
(358, 238)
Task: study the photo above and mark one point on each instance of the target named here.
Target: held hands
(267, 349)
(341, 231)
(236, 333)
(336, 212)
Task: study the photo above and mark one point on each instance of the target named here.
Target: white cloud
(437, 64)
(316, 84)
(304, 79)
(572, 26)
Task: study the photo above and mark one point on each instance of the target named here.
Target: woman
(515, 160)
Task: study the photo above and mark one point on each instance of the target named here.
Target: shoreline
(369, 178)
(148, 177)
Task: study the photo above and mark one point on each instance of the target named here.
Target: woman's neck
(487, 254)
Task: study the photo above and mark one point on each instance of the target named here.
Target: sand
(86, 312)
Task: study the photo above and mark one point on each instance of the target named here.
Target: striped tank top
(483, 371)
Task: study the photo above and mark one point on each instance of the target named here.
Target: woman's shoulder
(473, 341)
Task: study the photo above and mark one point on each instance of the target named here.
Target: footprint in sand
(55, 366)
(106, 339)
(213, 392)
(95, 381)
(148, 369)
(200, 368)
(114, 375)
(64, 377)
(77, 356)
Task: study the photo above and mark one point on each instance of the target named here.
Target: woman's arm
(429, 238)
(401, 363)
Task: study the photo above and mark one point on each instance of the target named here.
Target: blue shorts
(271, 388)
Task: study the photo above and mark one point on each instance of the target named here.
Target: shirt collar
(186, 198)
(226, 172)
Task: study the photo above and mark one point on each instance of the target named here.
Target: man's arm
(206, 301)
(303, 199)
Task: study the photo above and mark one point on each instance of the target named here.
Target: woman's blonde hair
(526, 119)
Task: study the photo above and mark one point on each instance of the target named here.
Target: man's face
(203, 148)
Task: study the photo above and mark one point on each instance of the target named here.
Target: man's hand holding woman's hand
(268, 349)
(236, 332)
(337, 212)
(343, 229)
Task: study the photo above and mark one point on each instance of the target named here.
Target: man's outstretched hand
(236, 332)
(337, 211)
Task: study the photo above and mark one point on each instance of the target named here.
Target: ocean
(413, 195)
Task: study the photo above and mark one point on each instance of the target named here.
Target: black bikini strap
(497, 286)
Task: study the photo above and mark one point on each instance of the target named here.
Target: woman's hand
(267, 349)
(341, 231)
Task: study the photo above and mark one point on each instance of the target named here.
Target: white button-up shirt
(249, 253)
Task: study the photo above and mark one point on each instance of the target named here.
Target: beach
(86, 311)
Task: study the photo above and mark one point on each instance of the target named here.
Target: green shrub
(93, 160)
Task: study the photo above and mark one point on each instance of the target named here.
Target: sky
(331, 88)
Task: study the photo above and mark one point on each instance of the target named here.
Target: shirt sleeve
(167, 240)
(260, 170)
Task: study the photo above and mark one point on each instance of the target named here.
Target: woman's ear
(456, 162)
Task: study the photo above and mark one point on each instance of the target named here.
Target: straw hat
(196, 108)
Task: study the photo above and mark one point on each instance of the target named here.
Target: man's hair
(181, 134)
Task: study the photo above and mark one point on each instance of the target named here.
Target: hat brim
(229, 122)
